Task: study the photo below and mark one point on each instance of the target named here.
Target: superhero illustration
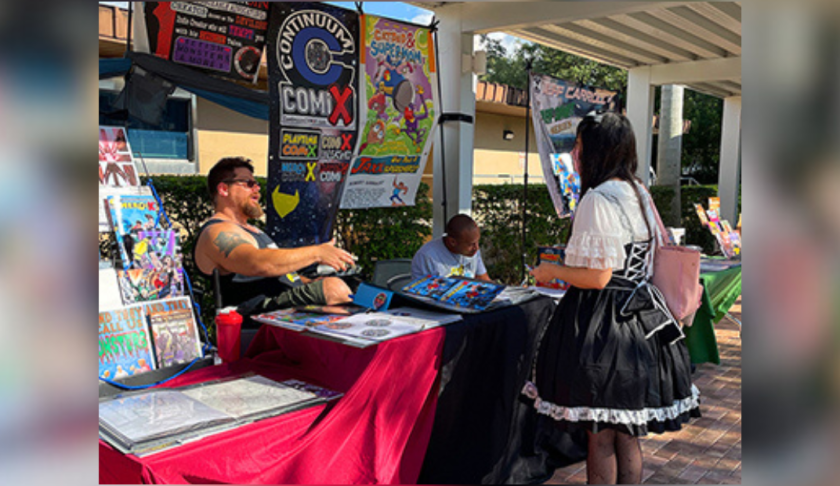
(398, 188)
(416, 134)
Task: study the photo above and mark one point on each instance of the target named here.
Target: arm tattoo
(227, 241)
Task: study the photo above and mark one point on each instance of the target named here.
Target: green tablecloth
(720, 290)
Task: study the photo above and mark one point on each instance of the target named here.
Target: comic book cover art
(431, 286)
(175, 336)
(145, 284)
(296, 320)
(568, 180)
(472, 294)
(555, 255)
(116, 165)
(137, 213)
(125, 346)
(156, 249)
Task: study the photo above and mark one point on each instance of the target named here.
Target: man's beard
(252, 209)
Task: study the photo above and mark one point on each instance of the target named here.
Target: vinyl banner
(399, 108)
(313, 82)
(224, 38)
(556, 109)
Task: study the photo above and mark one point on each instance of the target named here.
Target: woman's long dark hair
(608, 150)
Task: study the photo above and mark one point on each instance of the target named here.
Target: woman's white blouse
(601, 230)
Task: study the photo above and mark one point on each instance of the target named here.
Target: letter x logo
(346, 138)
(312, 151)
(310, 171)
(341, 101)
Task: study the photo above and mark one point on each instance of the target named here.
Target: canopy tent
(228, 94)
(697, 44)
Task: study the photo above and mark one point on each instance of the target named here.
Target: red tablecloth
(376, 433)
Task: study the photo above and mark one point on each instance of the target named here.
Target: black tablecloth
(485, 431)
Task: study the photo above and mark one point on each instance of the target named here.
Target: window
(171, 139)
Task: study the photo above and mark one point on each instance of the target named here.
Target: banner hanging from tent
(313, 78)
(399, 110)
(223, 38)
(556, 110)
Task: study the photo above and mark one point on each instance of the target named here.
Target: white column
(457, 96)
(640, 112)
(730, 160)
(669, 154)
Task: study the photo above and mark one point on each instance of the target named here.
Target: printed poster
(313, 84)
(117, 170)
(399, 109)
(222, 38)
(557, 107)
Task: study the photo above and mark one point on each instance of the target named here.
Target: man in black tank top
(255, 275)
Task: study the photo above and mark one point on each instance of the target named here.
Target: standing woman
(612, 361)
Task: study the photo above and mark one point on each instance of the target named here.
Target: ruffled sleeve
(597, 235)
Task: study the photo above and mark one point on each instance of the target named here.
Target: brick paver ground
(708, 449)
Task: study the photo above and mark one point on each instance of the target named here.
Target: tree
(700, 146)
(509, 68)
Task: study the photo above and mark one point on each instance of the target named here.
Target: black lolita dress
(613, 358)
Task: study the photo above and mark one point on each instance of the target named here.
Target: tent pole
(525, 178)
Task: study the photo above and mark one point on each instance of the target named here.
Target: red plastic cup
(228, 335)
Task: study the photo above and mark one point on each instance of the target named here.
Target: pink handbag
(676, 273)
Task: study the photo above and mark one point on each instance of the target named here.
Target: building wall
(222, 132)
(499, 161)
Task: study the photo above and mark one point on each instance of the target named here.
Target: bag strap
(660, 238)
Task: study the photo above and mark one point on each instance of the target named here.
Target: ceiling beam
(696, 24)
(602, 41)
(485, 17)
(629, 34)
(713, 12)
(696, 71)
(686, 40)
(563, 43)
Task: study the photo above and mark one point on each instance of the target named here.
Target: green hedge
(384, 233)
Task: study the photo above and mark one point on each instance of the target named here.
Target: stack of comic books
(728, 240)
(455, 294)
(150, 421)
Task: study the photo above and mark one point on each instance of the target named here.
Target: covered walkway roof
(694, 44)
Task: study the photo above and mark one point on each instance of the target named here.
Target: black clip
(433, 25)
(459, 117)
(359, 8)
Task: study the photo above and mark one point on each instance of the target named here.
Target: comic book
(714, 204)
(296, 320)
(431, 286)
(472, 294)
(175, 335)
(137, 213)
(125, 345)
(174, 330)
(454, 293)
(555, 255)
(144, 284)
(114, 205)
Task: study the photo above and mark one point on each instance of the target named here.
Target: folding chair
(392, 274)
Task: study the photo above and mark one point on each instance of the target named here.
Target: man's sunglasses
(248, 182)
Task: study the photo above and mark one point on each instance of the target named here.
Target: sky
(399, 11)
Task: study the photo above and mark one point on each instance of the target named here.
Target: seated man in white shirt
(454, 254)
